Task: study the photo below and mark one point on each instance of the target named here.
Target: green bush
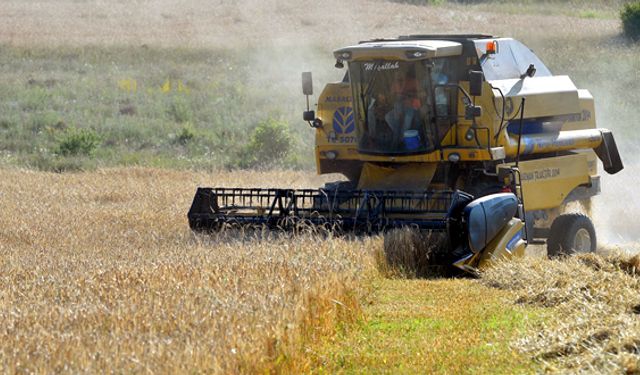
(630, 17)
(78, 142)
(186, 135)
(269, 145)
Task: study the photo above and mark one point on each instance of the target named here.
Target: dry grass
(593, 324)
(99, 272)
(199, 23)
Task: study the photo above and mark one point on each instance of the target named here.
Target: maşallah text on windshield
(380, 67)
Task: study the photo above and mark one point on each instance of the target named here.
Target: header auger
(469, 135)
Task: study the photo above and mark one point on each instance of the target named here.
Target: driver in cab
(404, 115)
(394, 113)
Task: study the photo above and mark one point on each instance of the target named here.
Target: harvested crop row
(594, 301)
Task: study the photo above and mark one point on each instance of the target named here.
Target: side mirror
(531, 71)
(307, 89)
(476, 78)
(307, 83)
(308, 116)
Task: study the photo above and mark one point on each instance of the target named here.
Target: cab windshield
(395, 105)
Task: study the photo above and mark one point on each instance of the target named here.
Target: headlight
(332, 155)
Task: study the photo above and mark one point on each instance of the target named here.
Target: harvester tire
(571, 234)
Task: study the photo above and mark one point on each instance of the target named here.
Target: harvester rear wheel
(571, 234)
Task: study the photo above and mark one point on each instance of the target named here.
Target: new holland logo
(343, 120)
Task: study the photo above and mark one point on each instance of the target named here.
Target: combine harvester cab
(468, 135)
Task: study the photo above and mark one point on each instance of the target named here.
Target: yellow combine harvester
(471, 135)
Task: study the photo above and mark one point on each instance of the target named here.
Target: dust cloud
(612, 77)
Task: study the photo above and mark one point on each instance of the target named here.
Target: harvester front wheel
(571, 234)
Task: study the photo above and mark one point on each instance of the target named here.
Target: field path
(432, 326)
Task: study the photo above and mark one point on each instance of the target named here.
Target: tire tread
(563, 231)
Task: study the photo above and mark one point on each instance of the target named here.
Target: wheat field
(99, 271)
